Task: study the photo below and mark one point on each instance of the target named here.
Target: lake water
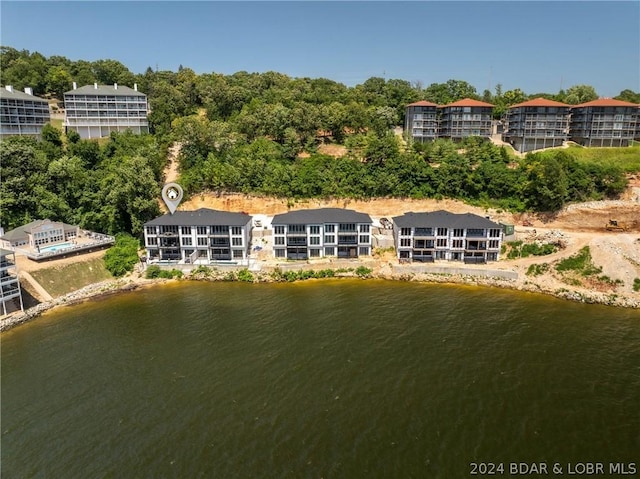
(335, 378)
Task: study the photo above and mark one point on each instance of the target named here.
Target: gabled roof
(469, 102)
(20, 233)
(320, 216)
(422, 103)
(109, 90)
(540, 102)
(443, 219)
(606, 102)
(201, 217)
(20, 95)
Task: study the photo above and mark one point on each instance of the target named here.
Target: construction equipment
(615, 225)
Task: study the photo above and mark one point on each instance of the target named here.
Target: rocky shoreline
(104, 288)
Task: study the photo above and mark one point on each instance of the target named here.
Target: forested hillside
(261, 133)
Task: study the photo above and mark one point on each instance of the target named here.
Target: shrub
(245, 275)
(153, 271)
(636, 284)
(363, 271)
(122, 256)
(580, 262)
(537, 269)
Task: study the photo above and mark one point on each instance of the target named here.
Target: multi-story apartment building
(465, 118)
(320, 233)
(22, 113)
(441, 235)
(202, 236)
(40, 234)
(94, 111)
(9, 282)
(605, 122)
(421, 121)
(536, 124)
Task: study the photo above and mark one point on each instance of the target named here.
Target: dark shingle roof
(20, 233)
(201, 217)
(20, 95)
(443, 219)
(105, 90)
(320, 216)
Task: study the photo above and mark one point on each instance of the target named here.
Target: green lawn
(626, 158)
(59, 280)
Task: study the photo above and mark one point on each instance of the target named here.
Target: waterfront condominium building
(323, 232)
(202, 236)
(441, 235)
(22, 113)
(94, 111)
(9, 282)
(465, 118)
(536, 124)
(604, 122)
(421, 121)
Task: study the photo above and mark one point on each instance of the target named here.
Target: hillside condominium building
(22, 113)
(536, 124)
(94, 111)
(202, 236)
(324, 232)
(605, 122)
(441, 235)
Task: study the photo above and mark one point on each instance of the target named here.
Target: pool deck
(81, 245)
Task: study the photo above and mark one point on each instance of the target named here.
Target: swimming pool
(54, 248)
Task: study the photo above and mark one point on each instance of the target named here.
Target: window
(314, 253)
(329, 228)
(201, 230)
(364, 238)
(494, 233)
(347, 227)
(185, 230)
(330, 251)
(297, 229)
(329, 239)
(152, 241)
(202, 241)
(236, 241)
(442, 231)
(314, 230)
(458, 233)
(237, 254)
(441, 243)
(151, 230)
(279, 253)
(405, 231)
(279, 230)
(314, 240)
(457, 244)
(493, 244)
(475, 232)
(279, 240)
(405, 242)
(186, 242)
(364, 228)
(236, 230)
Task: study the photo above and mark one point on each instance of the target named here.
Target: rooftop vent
(75, 86)
(9, 88)
(135, 86)
(28, 90)
(95, 86)
(115, 86)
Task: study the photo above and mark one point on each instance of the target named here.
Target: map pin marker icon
(172, 196)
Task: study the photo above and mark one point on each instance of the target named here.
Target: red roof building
(605, 122)
(421, 121)
(536, 124)
(465, 118)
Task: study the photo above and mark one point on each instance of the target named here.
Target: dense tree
(580, 94)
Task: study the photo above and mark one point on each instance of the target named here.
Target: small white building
(94, 111)
(9, 283)
(203, 236)
(320, 233)
(22, 113)
(441, 235)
